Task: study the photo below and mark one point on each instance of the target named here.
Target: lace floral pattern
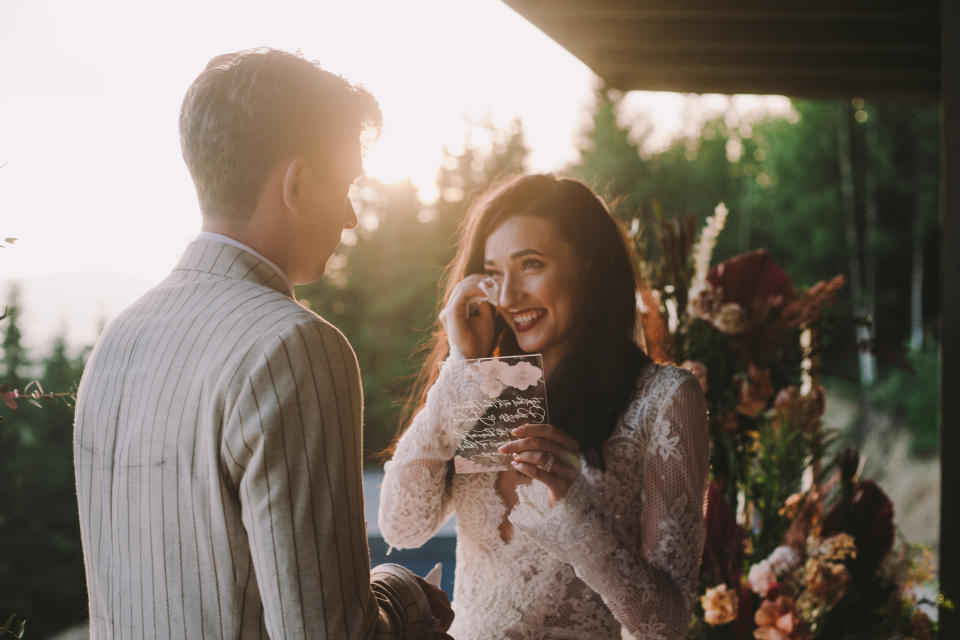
(620, 552)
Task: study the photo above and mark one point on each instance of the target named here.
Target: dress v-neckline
(505, 530)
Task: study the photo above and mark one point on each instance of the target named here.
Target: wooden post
(950, 327)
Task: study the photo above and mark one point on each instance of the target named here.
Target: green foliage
(913, 393)
(14, 355)
(777, 457)
(783, 192)
(610, 163)
(41, 567)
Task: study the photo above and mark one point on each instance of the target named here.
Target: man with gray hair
(218, 422)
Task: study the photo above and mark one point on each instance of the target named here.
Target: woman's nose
(510, 292)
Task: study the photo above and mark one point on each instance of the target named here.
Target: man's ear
(297, 182)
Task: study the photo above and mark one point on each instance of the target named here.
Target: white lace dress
(620, 552)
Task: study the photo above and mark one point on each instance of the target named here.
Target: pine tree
(610, 162)
(14, 355)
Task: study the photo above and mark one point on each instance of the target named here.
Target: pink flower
(777, 620)
(10, 398)
(762, 578)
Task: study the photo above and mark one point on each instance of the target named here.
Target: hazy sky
(92, 181)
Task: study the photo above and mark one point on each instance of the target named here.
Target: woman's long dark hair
(595, 380)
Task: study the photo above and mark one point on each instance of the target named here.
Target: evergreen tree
(41, 566)
(14, 355)
(610, 162)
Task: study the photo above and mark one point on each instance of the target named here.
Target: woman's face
(536, 271)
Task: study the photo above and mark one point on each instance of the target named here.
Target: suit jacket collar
(228, 261)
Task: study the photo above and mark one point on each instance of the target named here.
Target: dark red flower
(752, 280)
(868, 517)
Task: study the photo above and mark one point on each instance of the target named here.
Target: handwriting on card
(504, 393)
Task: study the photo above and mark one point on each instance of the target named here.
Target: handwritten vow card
(508, 392)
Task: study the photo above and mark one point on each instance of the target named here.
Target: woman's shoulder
(655, 387)
(661, 380)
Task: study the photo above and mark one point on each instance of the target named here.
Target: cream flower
(731, 319)
(719, 605)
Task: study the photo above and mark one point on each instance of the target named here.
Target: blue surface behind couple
(441, 548)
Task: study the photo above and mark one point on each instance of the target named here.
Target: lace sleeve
(645, 571)
(414, 498)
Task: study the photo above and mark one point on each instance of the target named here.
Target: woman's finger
(547, 431)
(566, 456)
(468, 288)
(542, 460)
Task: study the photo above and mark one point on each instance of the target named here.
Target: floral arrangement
(796, 548)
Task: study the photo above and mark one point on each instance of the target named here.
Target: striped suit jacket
(218, 465)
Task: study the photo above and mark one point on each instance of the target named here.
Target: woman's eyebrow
(526, 252)
(519, 254)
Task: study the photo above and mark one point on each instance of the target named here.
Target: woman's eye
(532, 263)
(493, 274)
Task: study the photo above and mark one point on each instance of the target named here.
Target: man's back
(218, 458)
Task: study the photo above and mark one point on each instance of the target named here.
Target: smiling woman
(618, 538)
(535, 269)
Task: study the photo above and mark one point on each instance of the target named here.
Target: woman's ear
(297, 182)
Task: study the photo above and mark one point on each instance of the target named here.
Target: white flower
(761, 578)
(730, 319)
(783, 559)
(704, 300)
(492, 368)
(521, 375)
(491, 386)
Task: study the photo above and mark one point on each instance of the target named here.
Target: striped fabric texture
(218, 464)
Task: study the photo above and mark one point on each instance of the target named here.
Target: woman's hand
(469, 328)
(545, 453)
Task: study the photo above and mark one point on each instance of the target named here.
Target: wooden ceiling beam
(811, 10)
(757, 61)
(853, 33)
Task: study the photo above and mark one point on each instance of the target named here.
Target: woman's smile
(526, 319)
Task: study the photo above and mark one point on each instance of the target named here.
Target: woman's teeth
(526, 319)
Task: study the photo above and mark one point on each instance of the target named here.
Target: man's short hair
(248, 110)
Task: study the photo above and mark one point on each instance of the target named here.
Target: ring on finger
(551, 459)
